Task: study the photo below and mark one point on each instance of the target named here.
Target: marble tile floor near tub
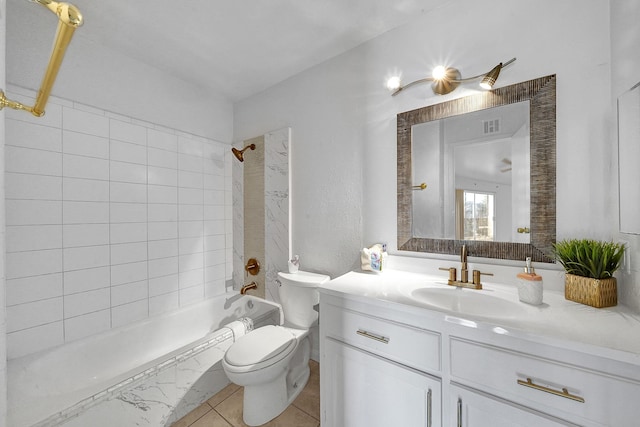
(225, 408)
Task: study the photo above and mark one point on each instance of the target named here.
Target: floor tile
(223, 394)
(193, 416)
(227, 408)
(231, 408)
(309, 399)
(211, 419)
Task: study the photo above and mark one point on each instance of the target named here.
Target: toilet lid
(263, 346)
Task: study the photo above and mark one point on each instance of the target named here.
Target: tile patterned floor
(225, 408)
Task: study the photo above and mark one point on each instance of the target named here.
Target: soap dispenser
(530, 285)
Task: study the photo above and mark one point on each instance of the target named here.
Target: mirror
(433, 223)
(628, 155)
(477, 169)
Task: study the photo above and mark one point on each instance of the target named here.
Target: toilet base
(264, 402)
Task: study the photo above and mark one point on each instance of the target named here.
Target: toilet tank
(298, 294)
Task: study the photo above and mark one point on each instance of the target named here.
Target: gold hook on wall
(69, 18)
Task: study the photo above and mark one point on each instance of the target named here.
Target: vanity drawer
(408, 345)
(551, 386)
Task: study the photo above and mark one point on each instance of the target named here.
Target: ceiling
(236, 48)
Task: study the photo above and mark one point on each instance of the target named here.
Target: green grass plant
(589, 258)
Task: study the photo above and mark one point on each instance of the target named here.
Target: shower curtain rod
(70, 18)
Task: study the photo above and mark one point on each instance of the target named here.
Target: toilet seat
(260, 348)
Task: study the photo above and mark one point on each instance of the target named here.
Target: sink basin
(466, 301)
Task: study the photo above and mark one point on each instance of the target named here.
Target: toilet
(272, 362)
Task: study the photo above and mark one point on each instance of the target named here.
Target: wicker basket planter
(594, 292)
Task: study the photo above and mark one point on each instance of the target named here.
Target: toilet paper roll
(240, 327)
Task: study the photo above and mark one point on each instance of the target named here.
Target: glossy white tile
(85, 145)
(162, 212)
(127, 273)
(75, 235)
(128, 212)
(127, 132)
(163, 140)
(85, 190)
(128, 172)
(129, 292)
(163, 230)
(162, 248)
(163, 285)
(85, 167)
(128, 232)
(33, 237)
(32, 212)
(87, 279)
(32, 187)
(162, 194)
(128, 192)
(85, 122)
(163, 267)
(86, 257)
(162, 176)
(85, 212)
(35, 339)
(33, 288)
(127, 152)
(162, 158)
(23, 134)
(31, 314)
(128, 252)
(33, 263)
(86, 302)
(33, 161)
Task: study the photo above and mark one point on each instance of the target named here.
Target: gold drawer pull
(564, 393)
(380, 338)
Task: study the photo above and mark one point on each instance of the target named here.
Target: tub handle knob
(252, 267)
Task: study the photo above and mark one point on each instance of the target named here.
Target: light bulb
(393, 83)
(439, 72)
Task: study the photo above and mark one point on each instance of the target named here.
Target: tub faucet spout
(245, 288)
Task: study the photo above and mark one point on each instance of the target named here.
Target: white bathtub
(172, 354)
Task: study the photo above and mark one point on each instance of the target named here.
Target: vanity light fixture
(445, 80)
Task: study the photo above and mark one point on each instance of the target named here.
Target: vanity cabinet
(384, 363)
(361, 389)
(374, 371)
(472, 408)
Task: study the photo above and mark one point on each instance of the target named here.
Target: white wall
(625, 72)
(93, 74)
(344, 120)
(3, 346)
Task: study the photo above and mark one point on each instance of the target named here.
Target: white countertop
(607, 332)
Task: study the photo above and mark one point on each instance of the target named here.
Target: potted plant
(590, 265)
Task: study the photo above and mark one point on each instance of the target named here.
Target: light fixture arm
(453, 81)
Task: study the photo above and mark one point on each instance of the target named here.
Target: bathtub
(148, 373)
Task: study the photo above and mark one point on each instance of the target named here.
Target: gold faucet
(464, 273)
(247, 287)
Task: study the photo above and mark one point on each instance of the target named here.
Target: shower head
(239, 153)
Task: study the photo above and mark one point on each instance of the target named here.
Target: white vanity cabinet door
(473, 409)
(359, 389)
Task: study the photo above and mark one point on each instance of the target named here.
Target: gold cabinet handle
(375, 337)
(564, 393)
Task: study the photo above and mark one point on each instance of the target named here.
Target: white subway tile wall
(109, 220)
